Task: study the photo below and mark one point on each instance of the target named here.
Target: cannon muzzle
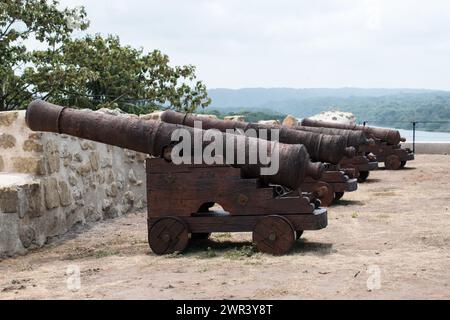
(155, 138)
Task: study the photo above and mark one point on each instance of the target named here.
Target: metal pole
(414, 137)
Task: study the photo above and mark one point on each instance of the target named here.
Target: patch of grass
(174, 255)
(105, 253)
(241, 253)
(208, 254)
(90, 253)
(355, 215)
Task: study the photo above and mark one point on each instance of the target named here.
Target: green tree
(113, 75)
(22, 20)
(90, 72)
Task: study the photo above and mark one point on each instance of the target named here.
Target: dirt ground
(390, 239)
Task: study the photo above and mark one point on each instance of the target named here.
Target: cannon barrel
(387, 135)
(155, 138)
(323, 148)
(353, 138)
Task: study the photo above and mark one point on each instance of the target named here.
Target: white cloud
(281, 43)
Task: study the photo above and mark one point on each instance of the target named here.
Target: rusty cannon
(386, 147)
(358, 166)
(327, 148)
(390, 136)
(188, 201)
(331, 149)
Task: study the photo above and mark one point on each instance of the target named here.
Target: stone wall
(50, 182)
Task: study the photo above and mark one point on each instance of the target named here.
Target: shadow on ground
(238, 250)
(370, 181)
(345, 203)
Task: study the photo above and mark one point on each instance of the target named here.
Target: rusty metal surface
(353, 138)
(321, 147)
(154, 138)
(388, 135)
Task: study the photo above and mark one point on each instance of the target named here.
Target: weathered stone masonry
(50, 182)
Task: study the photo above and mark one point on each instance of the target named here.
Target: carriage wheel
(324, 192)
(338, 196)
(363, 175)
(168, 235)
(392, 162)
(298, 234)
(200, 236)
(274, 235)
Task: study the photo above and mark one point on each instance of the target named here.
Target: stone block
(92, 214)
(87, 145)
(29, 165)
(51, 193)
(110, 177)
(32, 146)
(35, 136)
(27, 236)
(65, 196)
(94, 159)
(55, 222)
(33, 201)
(10, 243)
(9, 200)
(74, 217)
(73, 180)
(7, 141)
(53, 159)
(110, 211)
(78, 157)
(65, 154)
(8, 118)
(101, 178)
(132, 176)
(84, 169)
(112, 190)
(106, 162)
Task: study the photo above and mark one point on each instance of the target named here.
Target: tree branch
(7, 28)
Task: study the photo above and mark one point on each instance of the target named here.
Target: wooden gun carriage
(182, 198)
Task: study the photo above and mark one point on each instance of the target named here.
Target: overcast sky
(296, 43)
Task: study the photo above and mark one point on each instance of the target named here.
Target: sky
(296, 43)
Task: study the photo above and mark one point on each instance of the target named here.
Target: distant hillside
(384, 107)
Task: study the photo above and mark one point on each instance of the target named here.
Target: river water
(425, 136)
